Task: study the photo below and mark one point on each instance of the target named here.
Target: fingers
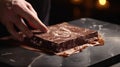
(19, 22)
(30, 7)
(31, 17)
(12, 31)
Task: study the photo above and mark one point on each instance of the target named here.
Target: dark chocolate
(61, 37)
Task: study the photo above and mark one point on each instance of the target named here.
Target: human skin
(12, 13)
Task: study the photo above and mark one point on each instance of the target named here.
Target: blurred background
(68, 10)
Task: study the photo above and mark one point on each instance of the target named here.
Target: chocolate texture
(63, 36)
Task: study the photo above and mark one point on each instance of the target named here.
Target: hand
(12, 13)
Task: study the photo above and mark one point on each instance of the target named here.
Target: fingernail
(48, 31)
(45, 30)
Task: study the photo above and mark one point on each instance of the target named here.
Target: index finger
(30, 17)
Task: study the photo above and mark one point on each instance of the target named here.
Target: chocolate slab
(63, 36)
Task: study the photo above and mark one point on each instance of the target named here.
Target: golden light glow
(102, 2)
(75, 2)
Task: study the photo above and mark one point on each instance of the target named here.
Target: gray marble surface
(14, 56)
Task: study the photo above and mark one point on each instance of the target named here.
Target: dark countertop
(109, 54)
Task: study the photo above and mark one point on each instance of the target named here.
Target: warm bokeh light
(102, 2)
(76, 2)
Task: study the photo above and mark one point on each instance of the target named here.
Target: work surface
(107, 55)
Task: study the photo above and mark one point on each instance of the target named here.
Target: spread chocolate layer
(63, 36)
